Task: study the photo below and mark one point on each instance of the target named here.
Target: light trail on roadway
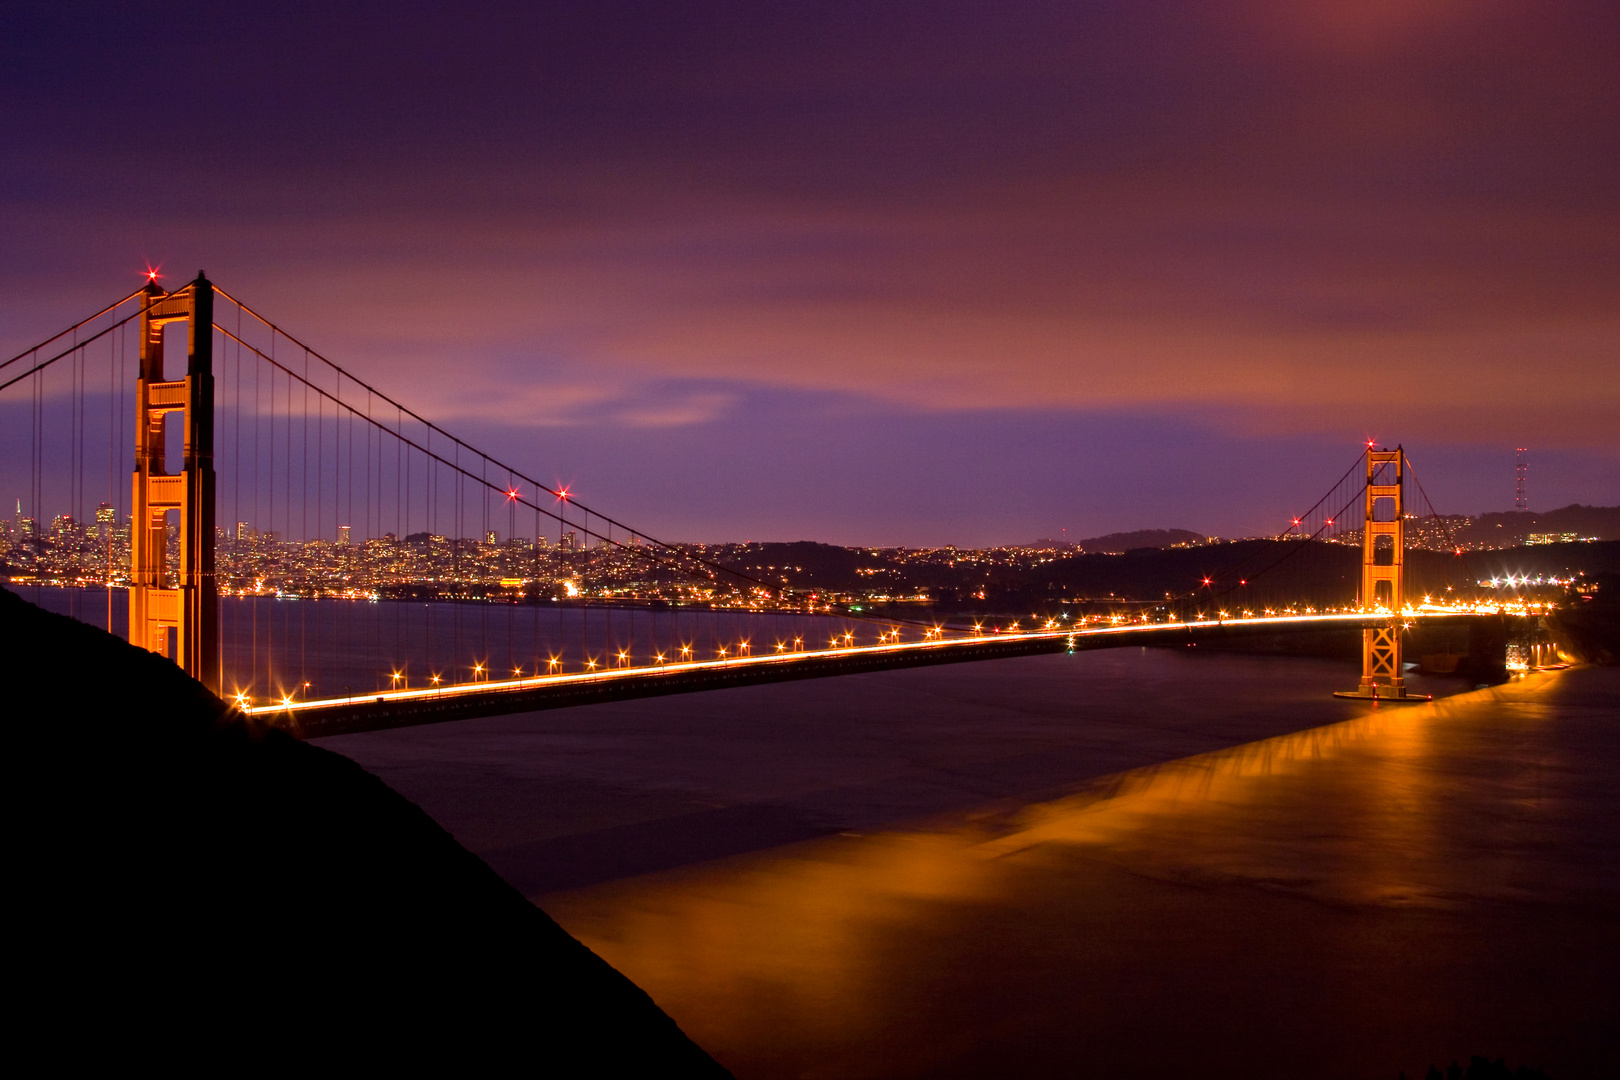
(289, 705)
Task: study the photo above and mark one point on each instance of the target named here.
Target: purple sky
(899, 273)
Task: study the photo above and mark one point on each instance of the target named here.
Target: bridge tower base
(174, 609)
(1383, 544)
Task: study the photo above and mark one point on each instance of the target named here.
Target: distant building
(343, 535)
(1553, 538)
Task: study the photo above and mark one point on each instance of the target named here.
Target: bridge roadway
(461, 701)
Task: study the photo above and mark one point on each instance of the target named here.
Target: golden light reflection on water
(794, 935)
(1201, 785)
(801, 941)
(1234, 814)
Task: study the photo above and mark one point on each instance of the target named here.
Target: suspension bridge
(325, 557)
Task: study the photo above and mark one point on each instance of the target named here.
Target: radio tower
(1519, 501)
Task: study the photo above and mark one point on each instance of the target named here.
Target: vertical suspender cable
(307, 593)
(267, 545)
(403, 607)
(455, 564)
(258, 543)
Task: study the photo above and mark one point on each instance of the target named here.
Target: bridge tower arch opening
(1383, 547)
(175, 613)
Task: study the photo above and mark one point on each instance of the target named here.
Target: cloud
(566, 400)
(1321, 218)
(678, 410)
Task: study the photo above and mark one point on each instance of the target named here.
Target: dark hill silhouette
(200, 892)
(1326, 573)
(805, 563)
(1513, 527)
(1121, 542)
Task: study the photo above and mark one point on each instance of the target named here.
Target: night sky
(876, 273)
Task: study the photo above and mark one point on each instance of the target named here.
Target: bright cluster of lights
(1519, 581)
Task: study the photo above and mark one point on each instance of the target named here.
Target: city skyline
(490, 565)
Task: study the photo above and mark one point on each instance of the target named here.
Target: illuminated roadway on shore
(932, 644)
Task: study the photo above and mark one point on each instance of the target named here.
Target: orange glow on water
(859, 949)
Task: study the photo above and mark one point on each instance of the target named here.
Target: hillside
(1249, 573)
(1120, 542)
(1512, 528)
(1012, 579)
(210, 894)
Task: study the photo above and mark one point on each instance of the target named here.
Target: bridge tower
(1383, 546)
(176, 614)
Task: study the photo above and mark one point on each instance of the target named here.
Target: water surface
(1405, 887)
(1133, 863)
